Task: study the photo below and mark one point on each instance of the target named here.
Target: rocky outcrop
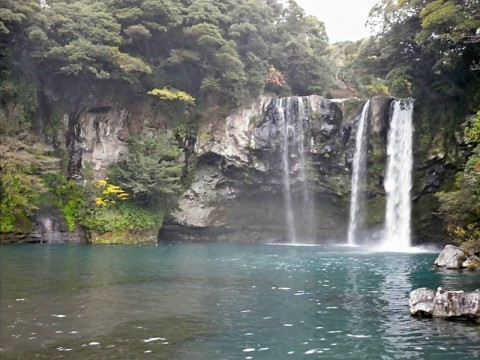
(199, 206)
(231, 139)
(421, 302)
(95, 134)
(51, 228)
(46, 228)
(451, 257)
(424, 302)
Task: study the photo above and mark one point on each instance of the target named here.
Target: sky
(344, 19)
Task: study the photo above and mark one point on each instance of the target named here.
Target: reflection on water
(394, 290)
(223, 302)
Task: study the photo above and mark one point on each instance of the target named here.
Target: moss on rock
(127, 237)
(375, 211)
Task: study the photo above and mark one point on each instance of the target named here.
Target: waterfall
(289, 220)
(308, 206)
(299, 215)
(358, 174)
(398, 177)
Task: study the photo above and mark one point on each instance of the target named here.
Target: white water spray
(308, 206)
(292, 113)
(359, 166)
(289, 220)
(398, 178)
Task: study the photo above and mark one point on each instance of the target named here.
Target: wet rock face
(380, 110)
(201, 205)
(324, 129)
(231, 139)
(238, 185)
(95, 135)
(445, 304)
(318, 118)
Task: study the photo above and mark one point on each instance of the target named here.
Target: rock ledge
(449, 304)
(453, 257)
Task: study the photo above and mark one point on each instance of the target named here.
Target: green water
(223, 302)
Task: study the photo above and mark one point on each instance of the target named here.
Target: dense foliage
(23, 163)
(426, 49)
(151, 171)
(461, 206)
(217, 49)
(20, 189)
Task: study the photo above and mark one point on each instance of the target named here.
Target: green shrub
(20, 190)
(121, 217)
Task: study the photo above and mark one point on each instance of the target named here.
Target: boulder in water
(421, 302)
(451, 257)
(445, 303)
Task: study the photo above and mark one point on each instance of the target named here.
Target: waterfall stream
(289, 220)
(299, 214)
(308, 207)
(358, 174)
(398, 178)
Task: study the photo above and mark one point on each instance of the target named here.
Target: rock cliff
(238, 190)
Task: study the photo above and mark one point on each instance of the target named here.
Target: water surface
(223, 302)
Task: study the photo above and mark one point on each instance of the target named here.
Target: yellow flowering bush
(172, 94)
(108, 193)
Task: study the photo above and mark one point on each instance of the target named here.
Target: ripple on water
(253, 293)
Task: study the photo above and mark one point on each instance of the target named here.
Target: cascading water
(289, 221)
(291, 114)
(398, 178)
(358, 174)
(308, 206)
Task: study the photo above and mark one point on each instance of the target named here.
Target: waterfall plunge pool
(213, 301)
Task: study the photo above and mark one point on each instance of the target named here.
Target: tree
(299, 51)
(81, 37)
(15, 88)
(15, 13)
(20, 189)
(151, 171)
(431, 44)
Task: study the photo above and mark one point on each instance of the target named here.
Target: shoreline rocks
(453, 257)
(448, 304)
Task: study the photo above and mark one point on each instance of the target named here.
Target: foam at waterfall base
(403, 249)
(296, 244)
(375, 242)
